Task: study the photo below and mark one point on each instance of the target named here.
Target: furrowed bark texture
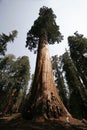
(44, 100)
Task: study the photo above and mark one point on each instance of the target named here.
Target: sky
(20, 15)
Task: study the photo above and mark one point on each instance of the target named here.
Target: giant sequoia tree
(44, 100)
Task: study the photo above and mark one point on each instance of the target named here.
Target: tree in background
(77, 93)
(4, 39)
(59, 79)
(44, 100)
(14, 76)
(24, 77)
(78, 50)
(6, 68)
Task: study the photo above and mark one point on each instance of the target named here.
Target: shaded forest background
(70, 73)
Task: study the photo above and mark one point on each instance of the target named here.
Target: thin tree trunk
(44, 100)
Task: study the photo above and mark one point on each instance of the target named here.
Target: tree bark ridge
(44, 99)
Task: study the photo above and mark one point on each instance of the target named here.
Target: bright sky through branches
(20, 15)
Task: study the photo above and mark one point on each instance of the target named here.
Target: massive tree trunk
(44, 100)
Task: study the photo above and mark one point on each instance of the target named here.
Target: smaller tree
(15, 76)
(24, 77)
(78, 96)
(78, 47)
(59, 80)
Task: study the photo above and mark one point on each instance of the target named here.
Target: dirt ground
(16, 122)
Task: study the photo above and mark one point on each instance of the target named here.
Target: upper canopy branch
(45, 24)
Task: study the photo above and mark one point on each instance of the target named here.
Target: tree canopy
(44, 24)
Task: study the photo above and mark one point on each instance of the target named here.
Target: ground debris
(16, 122)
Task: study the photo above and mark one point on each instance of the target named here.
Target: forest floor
(16, 122)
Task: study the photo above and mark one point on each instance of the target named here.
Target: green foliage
(78, 94)
(4, 39)
(14, 73)
(78, 47)
(45, 24)
(71, 68)
(6, 81)
(6, 70)
(22, 73)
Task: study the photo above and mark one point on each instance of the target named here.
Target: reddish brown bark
(9, 102)
(44, 100)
